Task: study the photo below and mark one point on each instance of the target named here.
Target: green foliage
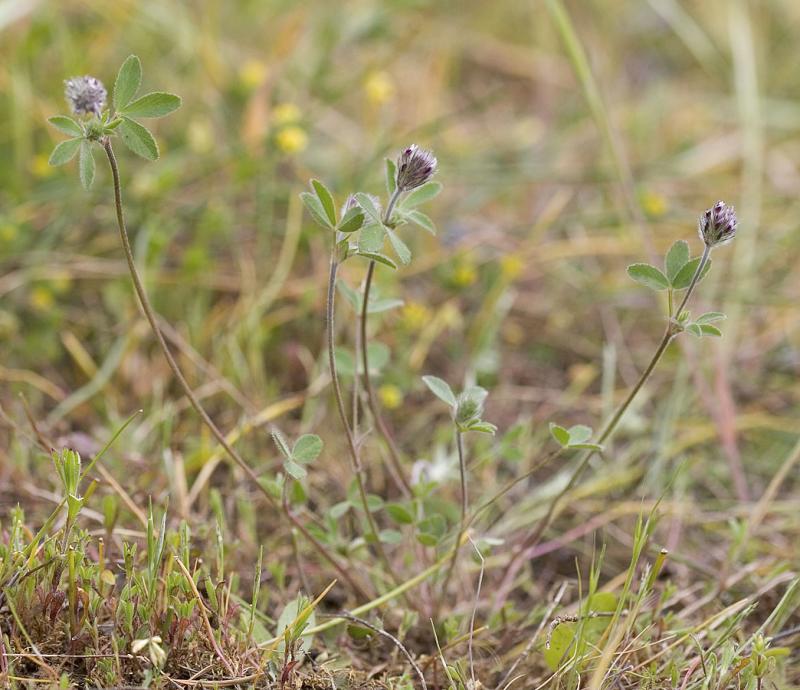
(649, 276)
(129, 79)
(305, 450)
(86, 164)
(95, 129)
(441, 389)
(466, 408)
(326, 201)
(576, 437)
(679, 270)
(571, 639)
(65, 151)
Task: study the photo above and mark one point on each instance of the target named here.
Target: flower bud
(352, 202)
(415, 166)
(469, 408)
(717, 225)
(85, 95)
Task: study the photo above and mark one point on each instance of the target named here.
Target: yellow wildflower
(465, 273)
(292, 139)
(511, 266)
(379, 87)
(653, 204)
(253, 73)
(391, 396)
(415, 315)
(41, 298)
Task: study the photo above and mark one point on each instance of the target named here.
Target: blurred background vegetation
(550, 191)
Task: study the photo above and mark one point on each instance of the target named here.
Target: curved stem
(151, 319)
(337, 392)
(394, 454)
(184, 384)
(608, 429)
(695, 279)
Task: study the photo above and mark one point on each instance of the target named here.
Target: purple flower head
(85, 95)
(415, 166)
(717, 225)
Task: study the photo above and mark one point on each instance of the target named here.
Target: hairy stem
(695, 279)
(337, 392)
(184, 384)
(394, 454)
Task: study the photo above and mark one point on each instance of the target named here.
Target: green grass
(574, 138)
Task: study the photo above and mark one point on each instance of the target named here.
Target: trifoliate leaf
(649, 276)
(676, 259)
(138, 139)
(441, 389)
(326, 199)
(65, 151)
(66, 124)
(156, 104)
(129, 78)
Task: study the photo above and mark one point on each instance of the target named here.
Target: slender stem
(394, 454)
(510, 485)
(151, 318)
(390, 206)
(337, 392)
(608, 429)
(173, 365)
(462, 528)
